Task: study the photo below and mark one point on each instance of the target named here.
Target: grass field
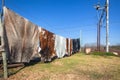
(75, 67)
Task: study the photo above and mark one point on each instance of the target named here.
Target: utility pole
(2, 44)
(98, 35)
(99, 25)
(97, 7)
(107, 25)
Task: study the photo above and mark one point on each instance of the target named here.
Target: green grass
(103, 54)
(76, 67)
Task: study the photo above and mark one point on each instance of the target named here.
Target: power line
(101, 13)
(100, 23)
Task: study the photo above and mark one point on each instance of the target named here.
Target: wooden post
(3, 53)
(2, 45)
(5, 65)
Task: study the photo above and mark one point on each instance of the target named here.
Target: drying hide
(71, 47)
(0, 32)
(68, 46)
(76, 45)
(60, 46)
(47, 40)
(21, 37)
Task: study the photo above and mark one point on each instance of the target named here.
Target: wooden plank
(14, 65)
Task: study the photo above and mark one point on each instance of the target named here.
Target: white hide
(60, 46)
(40, 29)
(39, 48)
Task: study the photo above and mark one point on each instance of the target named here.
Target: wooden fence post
(3, 50)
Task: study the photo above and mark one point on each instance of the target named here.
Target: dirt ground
(75, 67)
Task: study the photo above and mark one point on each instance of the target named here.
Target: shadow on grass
(17, 67)
(32, 62)
(12, 72)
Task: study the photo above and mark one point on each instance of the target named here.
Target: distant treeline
(115, 47)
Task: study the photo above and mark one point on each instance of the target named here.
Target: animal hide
(47, 42)
(21, 37)
(76, 45)
(60, 46)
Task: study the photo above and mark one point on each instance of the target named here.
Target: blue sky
(68, 17)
